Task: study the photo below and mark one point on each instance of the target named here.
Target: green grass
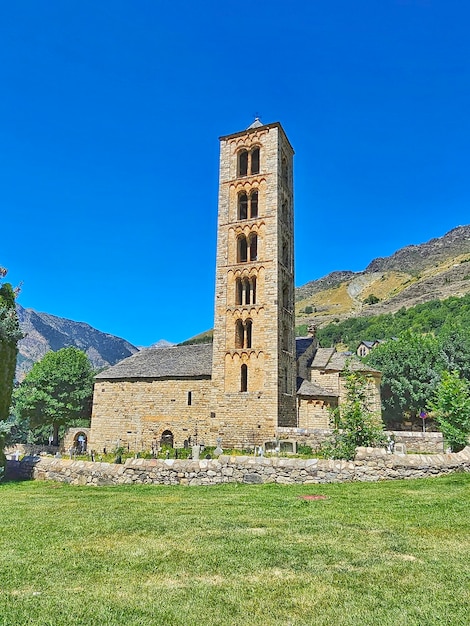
(392, 553)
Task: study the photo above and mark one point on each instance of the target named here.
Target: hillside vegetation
(414, 274)
(430, 317)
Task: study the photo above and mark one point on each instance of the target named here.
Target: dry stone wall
(370, 465)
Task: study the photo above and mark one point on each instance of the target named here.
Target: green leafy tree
(10, 334)
(451, 409)
(57, 392)
(354, 422)
(371, 299)
(411, 367)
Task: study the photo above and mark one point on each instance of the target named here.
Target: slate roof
(328, 359)
(301, 345)
(256, 124)
(310, 389)
(322, 357)
(194, 361)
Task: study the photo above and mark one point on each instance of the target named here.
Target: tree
(354, 423)
(10, 334)
(451, 409)
(57, 392)
(411, 367)
(371, 299)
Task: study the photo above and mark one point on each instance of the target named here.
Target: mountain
(44, 332)
(434, 270)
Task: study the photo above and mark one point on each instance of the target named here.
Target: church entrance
(166, 439)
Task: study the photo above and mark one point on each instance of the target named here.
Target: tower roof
(256, 124)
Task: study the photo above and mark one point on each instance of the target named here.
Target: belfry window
(248, 162)
(247, 249)
(239, 334)
(255, 161)
(244, 378)
(253, 247)
(243, 163)
(242, 206)
(238, 291)
(242, 251)
(245, 291)
(243, 334)
(248, 335)
(285, 297)
(253, 204)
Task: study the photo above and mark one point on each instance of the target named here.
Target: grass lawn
(391, 553)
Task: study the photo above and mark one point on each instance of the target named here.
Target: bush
(354, 423)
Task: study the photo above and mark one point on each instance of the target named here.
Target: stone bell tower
(254, 366)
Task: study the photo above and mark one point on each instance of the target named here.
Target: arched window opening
(242, 250)
(242, 206)
(285, 253)
(244, 378)
(284, 171)
(253, 204)
(239, 334)
(285, 297)
(285, 337)
(253, 247)
(255, 161)
(246, 289)
(238, 291)
(253, 290)
(249, 328)
(243, 163)
(285, 212)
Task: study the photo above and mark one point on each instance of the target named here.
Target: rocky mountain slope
(437, 269)
(44, 332)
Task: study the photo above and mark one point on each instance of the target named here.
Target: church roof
(309, 389)
(194, 361)
(328, 359)
(301, 345)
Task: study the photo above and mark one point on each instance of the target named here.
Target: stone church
(256, 378)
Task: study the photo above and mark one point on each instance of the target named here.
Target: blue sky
(110, 114)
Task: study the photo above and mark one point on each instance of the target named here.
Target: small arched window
(285, 254)
(246, 289)
(239, 334)
(253, 204)
(242, 206)
(284, 171)
(253, 290)
(238, 291)
(255, 161)
(244, 378)
(285, 297)
(242, 249)
(243, 163)
(249, 329)
(285, 337)
(253, 247)
(248, 162)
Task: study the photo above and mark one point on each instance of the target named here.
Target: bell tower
(254, 366)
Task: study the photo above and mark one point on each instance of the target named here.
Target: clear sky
(110, 113)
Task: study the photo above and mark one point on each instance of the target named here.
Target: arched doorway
(166, 439)
(80, 442)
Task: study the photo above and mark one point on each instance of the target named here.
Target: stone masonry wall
(417, 442)
(370, 465)
(134, 414)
